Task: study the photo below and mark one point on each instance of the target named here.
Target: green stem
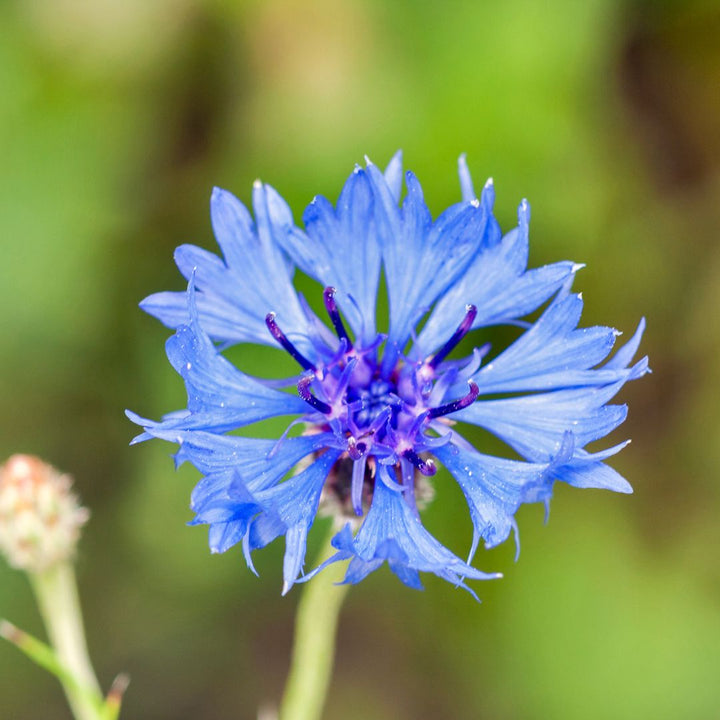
(314, 647)
(57, 597)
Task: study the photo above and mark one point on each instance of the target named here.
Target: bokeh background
(117, 118)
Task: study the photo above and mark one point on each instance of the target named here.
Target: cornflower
(380, 409)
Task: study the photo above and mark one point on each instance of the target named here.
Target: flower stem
(57, 598)
(314, 647)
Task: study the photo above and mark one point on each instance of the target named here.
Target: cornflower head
(380, 409)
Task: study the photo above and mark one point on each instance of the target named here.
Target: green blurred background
(117, 118)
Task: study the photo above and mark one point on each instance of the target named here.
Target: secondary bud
(40, 519)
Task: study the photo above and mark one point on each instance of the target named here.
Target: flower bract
(373, 412)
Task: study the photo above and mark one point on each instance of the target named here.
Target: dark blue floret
(378, 411)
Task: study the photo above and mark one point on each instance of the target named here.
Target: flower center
(374, 416)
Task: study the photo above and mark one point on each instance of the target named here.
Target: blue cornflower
(380, 408)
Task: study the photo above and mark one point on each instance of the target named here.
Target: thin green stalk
(314, 647)
(57, 597)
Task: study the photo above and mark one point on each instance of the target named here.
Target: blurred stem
(57, 597)
(314, 647)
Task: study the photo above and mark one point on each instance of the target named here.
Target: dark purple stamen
(329, 298)
(426, 467)
(304, 391)
(279, 335)
(452, 407)
(462, 330)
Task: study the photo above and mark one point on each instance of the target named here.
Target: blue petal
(624, 356)
(255, 278)
(552, 354)
(421, 258)
(535, 425)
(393, 533)
(466, 183)
(295, 548)
(261, 462)
(225, 497)
(586, 470)
(340, 249)
(220, 397)
(494, 489)
(498, 284)
(468, 192)
(394, 175)
(293, 506)
(223, 536)
(219, 318)
(237, 469)
(227, 505)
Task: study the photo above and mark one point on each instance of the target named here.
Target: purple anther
(304, 391)
(426, 467)
(279, 335)
(462, 330)
(329, 298)
(452, 407)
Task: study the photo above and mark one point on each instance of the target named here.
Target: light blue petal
(260, 462)
(220, 397)
(221, 319)
(587, 470)
(394, 175)
(340, 249)
(623, 357)
(223, 536)
(295, 500)
(213, 382)
(553, 353)
(494, 489)
(392, 532)
(468, 193)
(466, 183)
(594, 475)
(535, 425)
(227, 505)
(292, 507)
(225, 497)
(295, 548)
(421, 258)
(409, 576)
(254, 279)
(499, 286)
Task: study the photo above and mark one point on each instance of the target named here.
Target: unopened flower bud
(40, 519)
